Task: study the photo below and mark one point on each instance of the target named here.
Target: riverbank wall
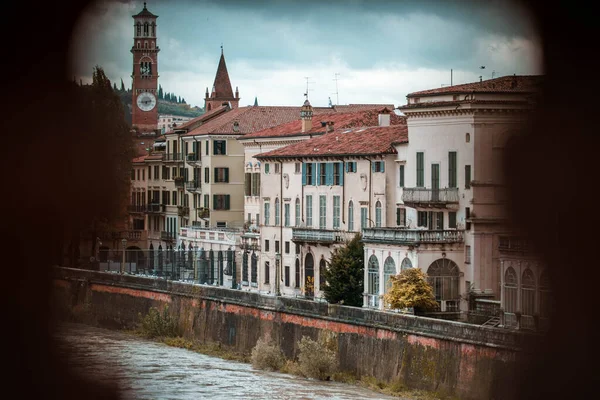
(461, 360)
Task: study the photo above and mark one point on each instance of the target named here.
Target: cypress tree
(345, 275)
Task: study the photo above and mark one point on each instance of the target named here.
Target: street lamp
(277, 284)
(124, 242)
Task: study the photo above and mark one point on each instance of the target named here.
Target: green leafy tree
(410, 289)
(345, 274)
(102, 154)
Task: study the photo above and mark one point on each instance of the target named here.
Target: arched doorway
(443, 275)
(309, 276)
(510, 297)
(406, 264)
(322, 268)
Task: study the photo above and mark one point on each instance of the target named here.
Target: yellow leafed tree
(410, 289)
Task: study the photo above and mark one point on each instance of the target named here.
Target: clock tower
(144, 112)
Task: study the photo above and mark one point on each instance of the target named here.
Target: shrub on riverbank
(156, 324)
(266, 355)
(316, 360)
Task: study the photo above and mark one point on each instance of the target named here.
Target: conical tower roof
(222, 85)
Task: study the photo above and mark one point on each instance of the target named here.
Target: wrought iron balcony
(179, 181)
(136, 208)
(429, 198)
(512, 244)
(155, 208)
(411, 236)
(193, 158)
(183, 211)
(323, 236)
(167, 236)
(192, 186)
(173, 157)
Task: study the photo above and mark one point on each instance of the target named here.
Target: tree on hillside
(410, 289)
(122, 85)
(160, 92)
(102, 154)
(115, 87)
(345, 274)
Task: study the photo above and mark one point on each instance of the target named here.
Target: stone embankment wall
(467, 361)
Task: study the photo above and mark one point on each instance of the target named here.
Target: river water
(148, 370)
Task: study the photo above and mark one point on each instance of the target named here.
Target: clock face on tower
(146, 101)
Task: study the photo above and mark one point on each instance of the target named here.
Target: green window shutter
(420, 170)
(452, 219)
(341, 173)
(227, 175)
(248, 184)
(440, 221)
(303, 174)
(397, 216)
(315, 177)
(329, 174)
(216, 171)
(382, 166)
(215, 202)
(206, 201)
(206, 175)
(227, 204)
(467, 176)
(373, 166)
(401, 173)
(452, 169)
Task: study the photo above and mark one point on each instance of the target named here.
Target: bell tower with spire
(144, 105)
(221, 91)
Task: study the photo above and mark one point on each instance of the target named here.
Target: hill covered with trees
(168, 103)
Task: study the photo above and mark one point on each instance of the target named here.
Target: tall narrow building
(144, 113)
(221, 91)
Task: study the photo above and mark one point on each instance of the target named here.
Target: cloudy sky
(381, 50)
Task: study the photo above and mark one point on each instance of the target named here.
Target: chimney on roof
(306, 114)
(384, 117)
(330, 126)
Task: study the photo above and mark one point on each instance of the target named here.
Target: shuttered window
(467, 176)
(420, 170)
(452, 169)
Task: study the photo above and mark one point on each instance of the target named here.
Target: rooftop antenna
(481, 76)
(307, 82)
(337, 93)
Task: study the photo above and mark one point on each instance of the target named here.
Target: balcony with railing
(430, 198)
(193, 159)
(167, 236)
(179, 181)
(136, 208)
(183, 211)
(320, 236)
(173, 157)
(411, 236)
(192, 186)
(155, 208)
(512, 244)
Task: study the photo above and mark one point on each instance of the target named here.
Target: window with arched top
(544, 294)
(373, 276)
(406, 264)
(510, 290)
(351, 216)
(322, 268)
(153, 29)
(443, 275)
(277, 212)
(138, 29)
(146, 30)
(389, 269)
(378, 214)
(528, 292)
(467, 137)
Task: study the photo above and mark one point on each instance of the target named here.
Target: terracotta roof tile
(504, 84)
(193, 123)
(361, 117)
(375, 140)
(430, 104)
(145, 13)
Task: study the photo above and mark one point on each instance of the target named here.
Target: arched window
(145, 44)
(277, 212)
(322, 268)
(309, 275)
(510, 290)
(389, 269)
(528, 293)
(138, 29)
(544, 295)
(351, 216)
(209, 107)
(378, 214)
(443, 275)
(373, 281)
(406, 264)
(297, 210)
(153, 30)
(138, 44)
(146, 32)
(245, 267)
